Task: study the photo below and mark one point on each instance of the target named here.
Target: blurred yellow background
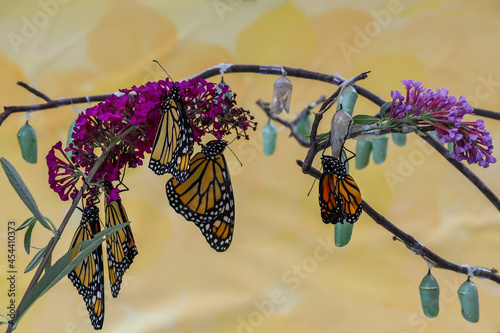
(281, 273)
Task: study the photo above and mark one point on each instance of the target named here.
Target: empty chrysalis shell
(282, 95)
(343, 233)
(27, 141)
(363, 152)
(469, 299)
(269, 136)
(339, 129)
(379, 146)
(349, 97)
(429, 295)
(304, 126)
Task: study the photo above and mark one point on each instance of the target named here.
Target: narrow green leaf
(36, 260)
(384, 108)
(27, 223)
(27, 238)
(323, 136)
(62, 267)
(363, 119)
(7, 318)
(23, 192)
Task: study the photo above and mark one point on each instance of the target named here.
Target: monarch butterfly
(121, 248)
(339, 195)
(206, 198)
(174, 139)
(88, 276)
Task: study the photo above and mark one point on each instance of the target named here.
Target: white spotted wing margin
(174, 139)
(88, 276)
(206, 198)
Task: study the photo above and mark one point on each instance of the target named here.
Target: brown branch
(415, 246)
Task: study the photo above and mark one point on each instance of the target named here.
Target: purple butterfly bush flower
(471, 141)
(210, 109)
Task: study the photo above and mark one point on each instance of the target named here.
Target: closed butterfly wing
(328, 201)
(339, 196)
(174, 140)
(121, 248)
(206, 198)
(88, 276)
(350, 198)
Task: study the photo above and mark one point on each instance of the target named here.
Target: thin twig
(34, 91)
(481, 186)
(415, 246)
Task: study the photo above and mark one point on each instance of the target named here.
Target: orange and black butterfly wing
(203, 196)
(351, 202)
(328, 200)
(121, 248)
(174, 140)
(88, 275)
(206, 198)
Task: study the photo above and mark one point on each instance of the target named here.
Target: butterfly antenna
(314, 181)
(241, 164)
(163, 69)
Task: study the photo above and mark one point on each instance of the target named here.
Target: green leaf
(36, 260)
(323, 136)
(7, 318)
(384, 108)
(23, 192)
(363, 119)
(27, 223)
(27, 238)
(62, 267)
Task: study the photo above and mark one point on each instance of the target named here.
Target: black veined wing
(339, 195)
(206, 198)
(121, 248)
(88, 276)
(174, 140)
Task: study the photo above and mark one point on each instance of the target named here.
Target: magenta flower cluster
(471, 141)
(211, 109)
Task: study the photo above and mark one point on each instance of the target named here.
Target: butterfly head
(333, 165)
(214, 147)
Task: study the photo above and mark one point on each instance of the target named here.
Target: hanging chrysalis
(339, 129)
(27, 141)
(343, 233)
(224, 90)
(281, 95)
(379, 146)
(429, 295)
(304, 126)
(347, 101)
(269, 136)
(363, 152)
(70, 137)
(399, 139)
(469, 299)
